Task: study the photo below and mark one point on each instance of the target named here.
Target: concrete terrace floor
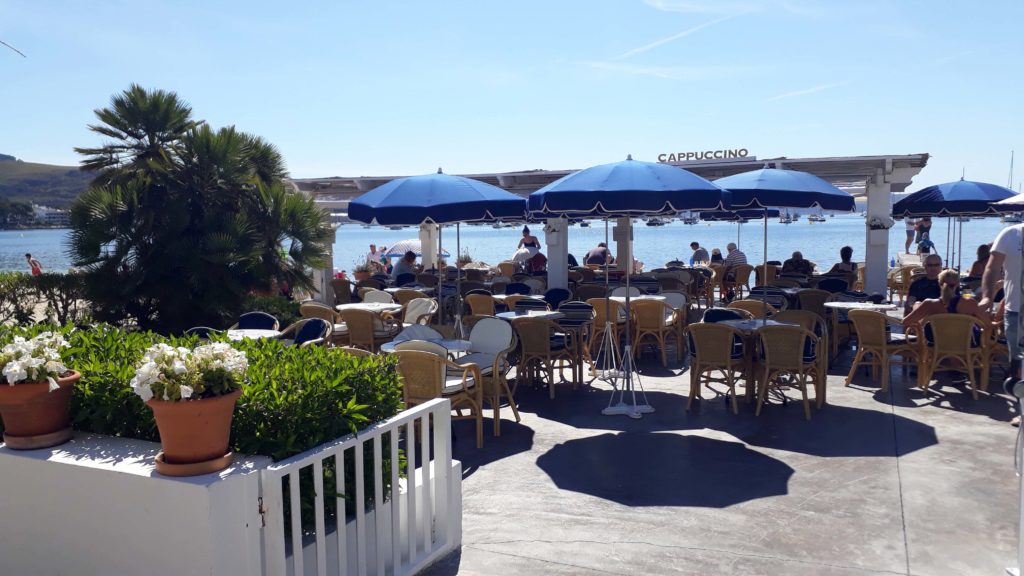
(875, 483)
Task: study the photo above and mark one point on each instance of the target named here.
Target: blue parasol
(960, 198)
(774, 187)
(737, 215)
(627, 188)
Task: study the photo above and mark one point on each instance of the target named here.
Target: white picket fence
(403, 527)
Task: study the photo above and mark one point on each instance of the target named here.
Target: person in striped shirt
(735, 258)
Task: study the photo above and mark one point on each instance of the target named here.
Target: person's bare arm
(920, 311)
(993, 270)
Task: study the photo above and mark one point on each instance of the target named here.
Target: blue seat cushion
(310, 331)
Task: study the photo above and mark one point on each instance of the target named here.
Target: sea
(653, 245)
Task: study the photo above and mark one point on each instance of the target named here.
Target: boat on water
(584, 224)
(785, 218)
(655, 221)
(1016, 218)
(812, 218)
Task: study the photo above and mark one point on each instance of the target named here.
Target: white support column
(556, 236)
(622, 233)
(876, 248)
(322, 278)
(428, 245)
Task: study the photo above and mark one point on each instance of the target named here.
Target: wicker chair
(741, 278)
(654, 319)
(308, 332)
(841, 329)
(426, 279)
(511, 300)
(342, 291)
(585, 292)
(339, 331)
(404, 295)
(492, 340)
(367, 330)
(481, 304)
(357, 352)
(813, 300)
(762, 278)
(256, 321)
(756, 308)
(879, 346)
(507, 268)
(952, 337)
(784, 362)
(428, 374)
(715, 348)
(615, 310)
(543, 347)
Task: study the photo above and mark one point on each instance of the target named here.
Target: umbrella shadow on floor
(665, 469)
(515, 438)
(833, 431)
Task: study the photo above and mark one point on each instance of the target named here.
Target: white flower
(15, 372)
(178, 367)
(186, 392)
(53, 383)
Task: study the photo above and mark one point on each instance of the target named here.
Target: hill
(43, 184)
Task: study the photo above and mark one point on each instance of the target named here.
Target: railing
(396, 504)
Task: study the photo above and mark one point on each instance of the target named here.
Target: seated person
(797, 265)
(407, 265)
(600, 255)
(927, 287)
(572, 261)
(716, 256)
(978, 268)
(844, 266)
(948, 302)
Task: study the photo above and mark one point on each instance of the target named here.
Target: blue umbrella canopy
(438, 199)
(738, 215)
(960, 198)
(784, 189)
(627, 188)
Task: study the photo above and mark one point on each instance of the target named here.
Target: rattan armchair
(427, 375)
(308, 332)
(879, 346)
(404, 295)
(715, 348)
(339, 331)
(757, 308)
(788, 358)
(607, 314)
(367, 330)
(480, 304)
(957, 337)
(543, 348)
(654, 319)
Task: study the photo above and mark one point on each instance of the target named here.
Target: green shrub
(17, 299)
(64, 295)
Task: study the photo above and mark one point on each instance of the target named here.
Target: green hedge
(297, 398)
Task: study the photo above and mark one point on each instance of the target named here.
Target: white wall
(96, 506)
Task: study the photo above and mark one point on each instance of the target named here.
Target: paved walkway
(875, 483)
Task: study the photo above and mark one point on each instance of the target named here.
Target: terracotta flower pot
(33, 416)
(194, 434)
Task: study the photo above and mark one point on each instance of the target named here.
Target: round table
(252, 334)
(377, 307)
(860, 306)
(451, 345)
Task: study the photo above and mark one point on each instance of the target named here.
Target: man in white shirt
(1005, 261)
(374, 258)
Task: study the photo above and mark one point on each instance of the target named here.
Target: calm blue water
(819, 242)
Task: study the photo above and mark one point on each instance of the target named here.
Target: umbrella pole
(636, 410)
(609, 351)
(949, 225)
(458, 283)
(440, 278)
(764, 270)
(960, 249)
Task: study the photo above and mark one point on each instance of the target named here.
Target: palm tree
(145, 127)
(177, 231)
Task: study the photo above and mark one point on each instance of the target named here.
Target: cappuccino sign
(703, 155)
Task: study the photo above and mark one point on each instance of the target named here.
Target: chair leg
(511, 400)
(661, 340)
(731, 380)
(762, 392)
(694, 386)
(884, 361)
(803, 390)
(856, 363)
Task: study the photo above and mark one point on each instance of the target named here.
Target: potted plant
(36, 403)
(362, 272)
(192, 394)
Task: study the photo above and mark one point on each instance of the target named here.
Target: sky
(348, 88)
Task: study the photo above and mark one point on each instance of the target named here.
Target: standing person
(374, 257)
(1004, 260)
(34, 264)
(528, 247)
(911, 225)
(700, 255)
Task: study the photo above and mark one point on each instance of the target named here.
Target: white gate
(401, 510)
